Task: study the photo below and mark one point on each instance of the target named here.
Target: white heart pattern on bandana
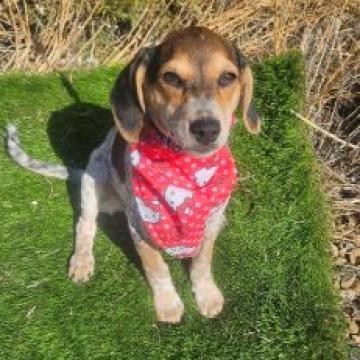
(180, 250)
(135, 158)
(146, 213)
(204, 175)
(176, 196)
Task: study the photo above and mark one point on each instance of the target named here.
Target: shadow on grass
(74, 132)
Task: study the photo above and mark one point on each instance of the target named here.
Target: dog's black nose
(205, 130)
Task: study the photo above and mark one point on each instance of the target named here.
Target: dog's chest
(175, 193)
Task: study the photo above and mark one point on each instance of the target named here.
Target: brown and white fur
(192, 79)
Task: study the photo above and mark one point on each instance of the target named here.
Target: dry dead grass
(48, 35)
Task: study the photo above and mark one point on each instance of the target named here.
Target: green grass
(271, 261)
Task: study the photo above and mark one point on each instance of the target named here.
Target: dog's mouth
(203, 150)
(192, 147)
(198, 150)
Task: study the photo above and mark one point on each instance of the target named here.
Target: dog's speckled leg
(93, 184)
(82, 262)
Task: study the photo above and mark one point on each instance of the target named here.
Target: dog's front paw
(169, 307)
(209, 299)
(81, 268)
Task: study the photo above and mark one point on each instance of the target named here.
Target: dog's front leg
(82, 262)
(168, 305)
(209, 298)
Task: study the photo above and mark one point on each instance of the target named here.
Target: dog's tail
(15, 151)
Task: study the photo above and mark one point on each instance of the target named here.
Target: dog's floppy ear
(127, 98)
(250, 116)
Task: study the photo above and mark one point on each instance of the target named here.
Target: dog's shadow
(74, 132)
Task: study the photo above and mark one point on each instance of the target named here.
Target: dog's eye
(173, 79)
(226, 79)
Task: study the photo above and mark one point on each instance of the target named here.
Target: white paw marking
(209, 299)
(169, 307)
(81, 268)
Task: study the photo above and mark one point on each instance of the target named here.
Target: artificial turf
(271, 260)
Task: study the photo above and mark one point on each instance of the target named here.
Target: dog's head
(188, 88)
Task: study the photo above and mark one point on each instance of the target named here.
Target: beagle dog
(180, 94)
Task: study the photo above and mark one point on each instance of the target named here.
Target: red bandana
(175, 192)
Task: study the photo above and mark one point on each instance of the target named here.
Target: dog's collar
(176, 192)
